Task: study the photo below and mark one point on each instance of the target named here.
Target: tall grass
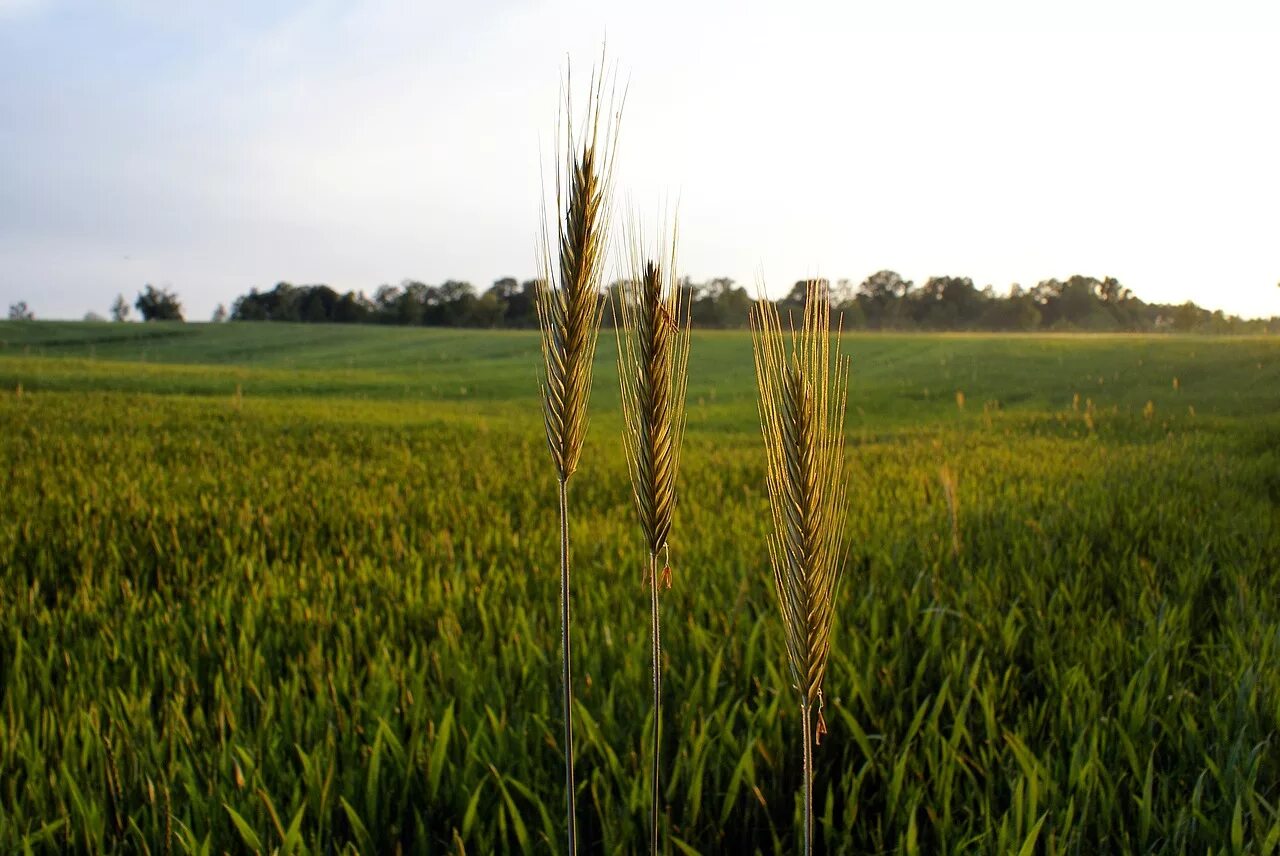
(653, 360)
(802, 403)
(569, 309)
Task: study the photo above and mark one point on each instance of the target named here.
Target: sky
(215, 147)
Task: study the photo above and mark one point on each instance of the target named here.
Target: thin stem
(566, 660)
(807, 728)
(656, 634)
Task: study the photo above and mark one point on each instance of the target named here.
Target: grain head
(653, 360)
(570, 264)
(803, 385)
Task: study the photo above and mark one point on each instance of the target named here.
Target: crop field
(289, 588)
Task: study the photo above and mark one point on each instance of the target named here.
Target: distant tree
(158, 304)
(316, 303)
(844, 298)
(19, 312)
(507, 294)
(312, 305)
(386, 300)
(457, 303)
(1088, 303)
(281, 303)
(529, 300)
(843, 293)
(487, 311)
(1046, 292)
(522, 308)
(1078, 301)
(1111, 292)
(249, 307)
(220, 314)
(733, 305)
(352, 308)
(504, 289)
(1186, 317)
(416, 303)
(883, 297)
(717, 303)
(1219, 323)
(120, 309)
(93, 317)
(794, 301)
(947, 303)
(1017, 312)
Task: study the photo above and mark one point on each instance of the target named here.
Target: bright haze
(214, 147)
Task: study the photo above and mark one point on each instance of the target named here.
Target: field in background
(288, 586)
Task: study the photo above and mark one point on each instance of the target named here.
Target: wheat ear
(803, 388)
(569, 308)
(653, 360)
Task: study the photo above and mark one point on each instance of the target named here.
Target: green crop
(318, 614)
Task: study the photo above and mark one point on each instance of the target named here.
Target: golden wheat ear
(653, 362)
(569, 308)
(803, 385)
(569, 304)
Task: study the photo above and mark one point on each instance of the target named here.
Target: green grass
(897, 379)
(332, 599)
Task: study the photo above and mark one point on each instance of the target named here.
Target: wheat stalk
(653, 360)
(569, 308)
(803, 389)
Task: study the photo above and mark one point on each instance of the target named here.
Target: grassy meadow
(290, 588)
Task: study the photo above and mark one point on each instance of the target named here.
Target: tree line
(883, 301)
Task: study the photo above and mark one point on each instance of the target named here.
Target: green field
(287, 587)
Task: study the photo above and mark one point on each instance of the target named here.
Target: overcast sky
(217, 146)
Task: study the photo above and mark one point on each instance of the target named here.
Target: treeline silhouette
(884, 301)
